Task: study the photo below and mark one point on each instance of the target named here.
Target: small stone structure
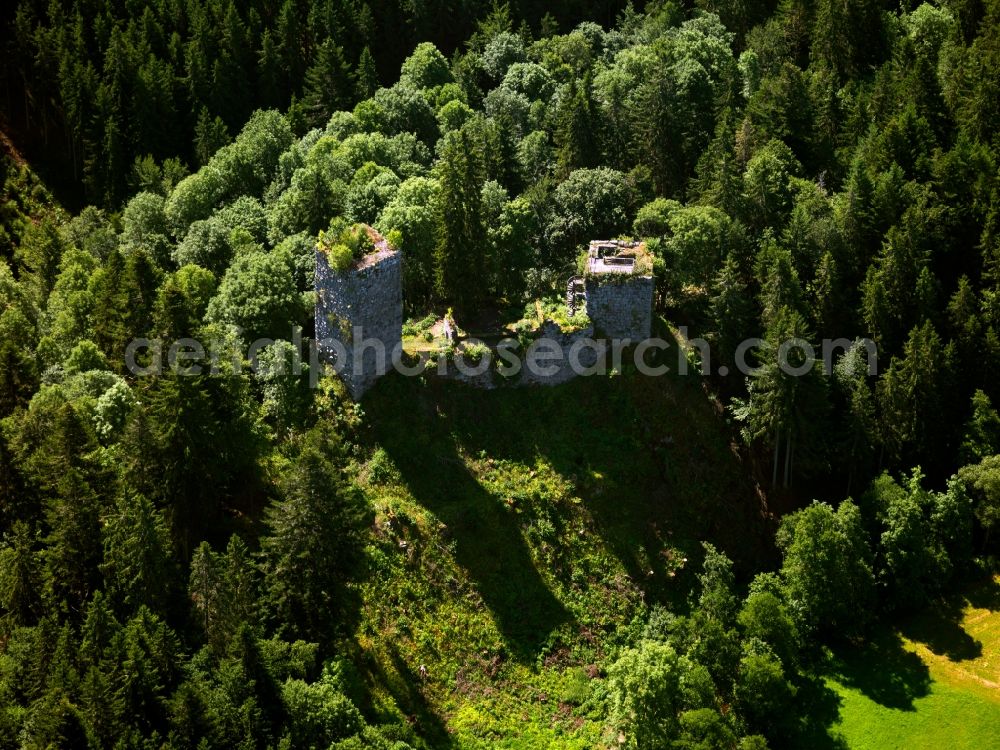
(618, 289)
(363, 303)
(561, 357)
(571, 350)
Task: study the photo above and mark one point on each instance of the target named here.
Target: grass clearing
(935, 684)
(520, 534)
(948, 716)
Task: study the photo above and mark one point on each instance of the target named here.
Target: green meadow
(933, 684)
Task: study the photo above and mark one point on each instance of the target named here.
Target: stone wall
(621, 306)
(364, 303)
(562, 367)
(560, 356)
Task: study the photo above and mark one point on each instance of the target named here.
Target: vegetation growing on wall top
(345, 244)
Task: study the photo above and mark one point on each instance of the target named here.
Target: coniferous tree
(138, 560)
(912, 401)
(224, 592)
(20, 579)
(458, 256)
(327, 84)
(732, 311)
(38, 256)
(190, 446)
(289, 38)
(140, 280)
(982, 432)
(210, 134)
(311, 542)
(366, 76)
(18, 376)
(270, 77)
(575, 139)
(788, 401)
(231, 71)
(108, 324)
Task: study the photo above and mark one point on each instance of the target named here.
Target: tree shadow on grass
(425, 721)
(984, 595)
(649, 456)
(818, 708)
(884, 671)
(940, 629)
(488, 542)
(586, 431)
(402, 684)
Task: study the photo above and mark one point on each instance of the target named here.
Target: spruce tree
(19, 579)
(210, 134)
(458, 256)
(575, 139)
(366, 75)
(138, 560)
(270, 77)
(327, 84)
(312, 540)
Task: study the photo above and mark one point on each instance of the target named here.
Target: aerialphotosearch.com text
(541, 357)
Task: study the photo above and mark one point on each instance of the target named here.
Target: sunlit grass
(959, 708)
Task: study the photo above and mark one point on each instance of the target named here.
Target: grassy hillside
(937, 684)
(519, 534)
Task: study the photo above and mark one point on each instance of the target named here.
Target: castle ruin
(617, 289)
(364, 303)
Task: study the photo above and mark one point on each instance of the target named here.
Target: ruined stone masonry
(363, 303)
(576, 346)
(618, 289)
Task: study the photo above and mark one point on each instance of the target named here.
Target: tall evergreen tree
(327, 84)
(575, 137)
(788, 402)
(312, 541)
(913, 403)
(458, 256)
(210, 134)
(366, 75)
(224, 590)
(20, 579)
(138, 560)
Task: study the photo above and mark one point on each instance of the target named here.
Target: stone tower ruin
(618, 288)
(359, 314)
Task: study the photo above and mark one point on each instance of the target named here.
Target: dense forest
(237, 559)
(104, 93)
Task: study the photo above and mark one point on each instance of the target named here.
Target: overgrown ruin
(359, 301)
(617, 288)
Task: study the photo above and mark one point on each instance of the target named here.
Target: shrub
(340, 257)
(381, 469)
(555, 310)
(344, 244)
(474, 353)
(85, 356)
